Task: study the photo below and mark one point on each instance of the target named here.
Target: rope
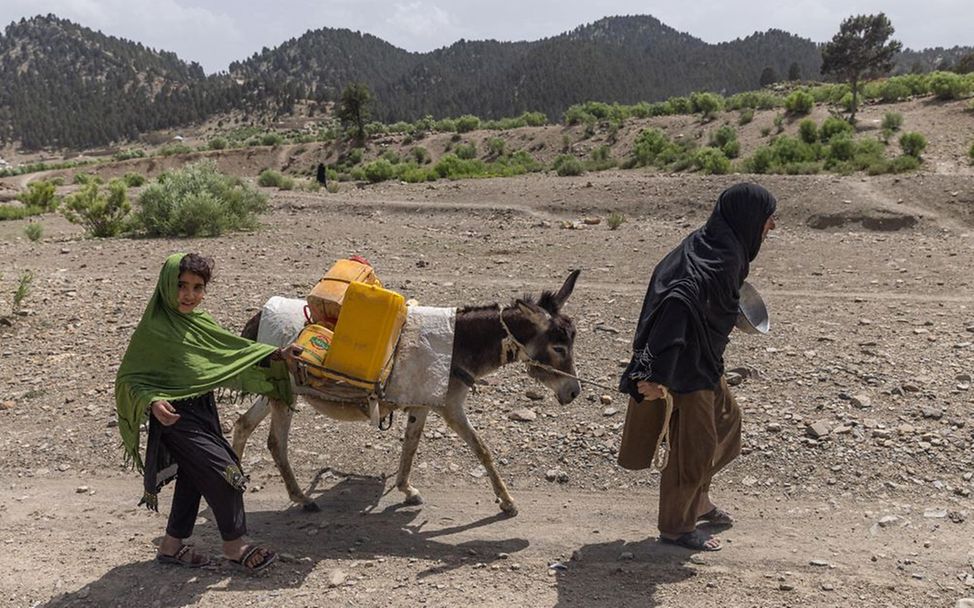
(661, 453)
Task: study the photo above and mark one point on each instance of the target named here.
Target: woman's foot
(184, 556)
(717, 517)
(253, 558)
(696, 540)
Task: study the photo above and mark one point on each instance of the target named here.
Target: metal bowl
(752, 313)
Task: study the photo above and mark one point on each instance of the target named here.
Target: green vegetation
(174, 148)
(799, 103)
(862, 46)
(567, 165)
(11, 212)
(23, 289)
(129, 154)
(466, 151)
(102, 214)
(913, 144)
(354, 108)
(269, 178)
(615, 220)
(34, 231)
(39, 194)
(197, 200)
(725, 139)
(133, 180)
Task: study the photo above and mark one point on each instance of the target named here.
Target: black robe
(692, 299)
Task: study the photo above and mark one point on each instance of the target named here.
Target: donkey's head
(550, 340)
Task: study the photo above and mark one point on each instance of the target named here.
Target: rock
(773, 427)
(821, 563)
(935, 513)
(626, 556)
(551, 474)
(749, 481)
(965, 603)
(534, 394)
(81, 490)
(817, 430)
(827, 587)
(605, 399)
(523, 415)
(592, 221)
(888, 520)
(610, 411)
(337, 578)
(932, 412)
(7, 405)
(785, 586)
(861, 401)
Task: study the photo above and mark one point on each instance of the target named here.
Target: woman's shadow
(348, 527)
(619, 574)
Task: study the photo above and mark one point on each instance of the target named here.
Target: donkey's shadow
(349, 527)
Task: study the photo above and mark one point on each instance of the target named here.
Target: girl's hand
(650, 390)
(164, 412)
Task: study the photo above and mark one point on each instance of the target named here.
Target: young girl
(176, 357)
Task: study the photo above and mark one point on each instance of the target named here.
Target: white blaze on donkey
(484, 339)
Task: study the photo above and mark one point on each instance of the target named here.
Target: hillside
(69, 87)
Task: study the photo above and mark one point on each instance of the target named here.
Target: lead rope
(661, 453)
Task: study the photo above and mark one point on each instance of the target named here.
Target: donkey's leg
(414, 432)
(457, 420)
(246, 424)
(277, 444)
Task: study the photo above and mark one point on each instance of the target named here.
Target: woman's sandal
(185, 556)
(717, 517)
(695, 540)
(266, 558)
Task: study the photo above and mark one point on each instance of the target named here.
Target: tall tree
(354, 107)
(861, 49)
(768, 76)
(794, 71)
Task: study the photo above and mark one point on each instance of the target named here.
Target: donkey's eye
(560, 350)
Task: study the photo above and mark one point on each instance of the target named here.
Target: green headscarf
(176, 355)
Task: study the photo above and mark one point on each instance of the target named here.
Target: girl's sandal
(255, 559)
(717, 517)
(185, 556)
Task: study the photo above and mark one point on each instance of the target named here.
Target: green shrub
(566, 165)
(725, 138)
(467, 123)
(754, 100)
(269, 178)
(913, 144)
(615, 220)
(23, 289)
(379, 170)
(133, 180)
(445, 125)
(904, 163)
(841, 148)
(128, 154)
(892, 121)
(808, 131)
(102, 214)
(789, 150)
(894, 90)
(271, 139)
(34, 231)
(332, 186)
(765, 131)
(534, 119)
(495, 146)
(11, 212)
(947, 85)
(779, 123)
(711, 161)
(452, 167)
(833, 126)
(706, 104)
(198, 200)
(799, 103)
(392, 156)
(648, 145)
(601, 159)
(746, 116)
(217, 143)
(39, 194)
(466, 151)
(354, 156)
(970, 153)
(173, 149)
(82, 179)
(421, 155)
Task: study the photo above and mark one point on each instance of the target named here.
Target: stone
(773, 427)
(817, 430)
(888, 520)
(935, 513)
(337, 578)
(626, 556)
(610, 411)
(932, 412)
(605, 399)
(7, 405)
(523, 415)
(861, 401)
(534, 394)
(821, 563)
(81, 490)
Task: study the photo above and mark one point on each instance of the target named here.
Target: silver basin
(752, 313)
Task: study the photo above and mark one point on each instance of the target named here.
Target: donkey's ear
(533, 313)
(567, 288)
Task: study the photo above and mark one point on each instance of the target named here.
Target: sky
(216, 32)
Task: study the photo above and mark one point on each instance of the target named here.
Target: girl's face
(769, 225)
(192, 290)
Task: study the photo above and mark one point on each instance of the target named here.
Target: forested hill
(65, 85)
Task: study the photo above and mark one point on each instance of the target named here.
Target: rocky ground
(853, 489)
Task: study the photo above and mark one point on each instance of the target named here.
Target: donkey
(486, 338)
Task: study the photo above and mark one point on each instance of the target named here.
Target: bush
(392, 156)
(892, 121)
(452, 167)
(421, 155)
(467, 123)
(601, 159)
(725, 138)
(11, 212)
(354, 156)
(566, 165)
(615, 220)
(102, 214)
(841, 148)
(970, 153)
(217, 143)
(789, 150)
(711, 161)
(947, 85)
(133, 180)
(39, 194)
(379, 170)
(706, 104)
(269, 178)
(34, 231)
(808, 131)
(173, 149)
(534, 119)
(913, 144)
(760, 161)
(82, 179)
(833, 126)
(894, 90)
(747, 115)
(128, 154)
(466, 151)
(648, 145)
(799, 103)
(271, 139)
(496, 146)
(198, 200)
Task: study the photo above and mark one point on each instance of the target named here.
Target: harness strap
(464, 376)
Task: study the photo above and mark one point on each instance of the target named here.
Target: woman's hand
(650, 390)
(164, 412)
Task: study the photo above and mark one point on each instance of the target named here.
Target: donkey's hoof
(310, 507)
(414, 499)
(509, 509)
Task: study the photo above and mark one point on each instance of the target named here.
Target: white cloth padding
(281, 320)
(421, 373)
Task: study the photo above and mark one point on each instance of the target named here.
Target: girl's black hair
(198, 265)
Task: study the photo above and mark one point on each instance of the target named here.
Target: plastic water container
(365, 338)
(326, 298)
(312, 346)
